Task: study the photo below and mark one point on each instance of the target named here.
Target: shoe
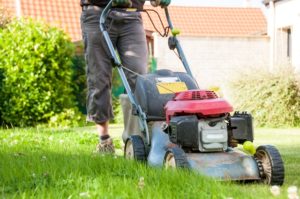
(106, 147)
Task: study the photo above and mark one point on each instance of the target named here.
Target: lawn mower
(182, 126)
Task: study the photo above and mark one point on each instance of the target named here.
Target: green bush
(1, 82)
(79, 82)
(36, 63)
(117, 110)
(117, 89)
(272, 98)
(5, 17)
(67, 118)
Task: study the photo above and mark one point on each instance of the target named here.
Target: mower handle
(178, 46)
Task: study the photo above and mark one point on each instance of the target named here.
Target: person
(125, 28)
(126, 31)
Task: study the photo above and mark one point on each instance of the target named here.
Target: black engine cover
(184, 131)
(242, 127)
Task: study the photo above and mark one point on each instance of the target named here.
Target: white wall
(287, 14)
(213, 59)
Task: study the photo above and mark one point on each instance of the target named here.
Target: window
(289, 42)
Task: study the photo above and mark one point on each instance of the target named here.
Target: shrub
(117, 89)
(117, 109)
(272, 98)
(79, 82)
(36, 62)
(1, 82)
(5, 17)
(67, 118)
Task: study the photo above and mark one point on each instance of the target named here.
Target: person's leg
(132, 48)
(99, 74)
(102, 128)
(105, 143)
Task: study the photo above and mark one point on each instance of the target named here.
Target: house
(284, 32)
(216, 41)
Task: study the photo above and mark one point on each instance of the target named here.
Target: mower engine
(200, 121)
(204, 135)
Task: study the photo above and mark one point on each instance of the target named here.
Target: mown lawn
(53, 163)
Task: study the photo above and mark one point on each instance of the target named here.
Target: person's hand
(122, 3)
(161, 3)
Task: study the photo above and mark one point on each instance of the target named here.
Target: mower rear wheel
(175, 158)
(272, 165)
(135, 148)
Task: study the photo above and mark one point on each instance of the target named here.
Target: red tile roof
(193, 21)
(9, 5)
(62, 13)
(214, 21)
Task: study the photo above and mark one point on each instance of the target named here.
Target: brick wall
(214, 59)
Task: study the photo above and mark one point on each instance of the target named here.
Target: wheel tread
(138, 147)
(277, 164)
(180, 157)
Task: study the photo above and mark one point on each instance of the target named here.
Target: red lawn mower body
(202, 103)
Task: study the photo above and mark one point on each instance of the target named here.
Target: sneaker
(106, 147)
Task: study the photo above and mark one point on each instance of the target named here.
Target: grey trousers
(128, 36)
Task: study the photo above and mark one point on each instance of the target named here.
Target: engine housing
(205, 135)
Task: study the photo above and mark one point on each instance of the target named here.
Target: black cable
(176, 53)
(166, 29)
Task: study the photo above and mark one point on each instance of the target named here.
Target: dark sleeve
(100, 3)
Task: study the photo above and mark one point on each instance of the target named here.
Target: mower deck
(230, 165)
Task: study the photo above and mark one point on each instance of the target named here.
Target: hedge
(272, 98)
(35, 60)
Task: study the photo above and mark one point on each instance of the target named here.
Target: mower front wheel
(270, 164)
(135, 148)
(175, 158)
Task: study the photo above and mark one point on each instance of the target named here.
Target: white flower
(14, 142)
(61, 141)
(44, 158)
(293, 192)
(292, 189)
(85, 194)
(141, 183)
(275, 190)
(51, 138)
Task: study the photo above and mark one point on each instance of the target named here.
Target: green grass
(53, 163)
